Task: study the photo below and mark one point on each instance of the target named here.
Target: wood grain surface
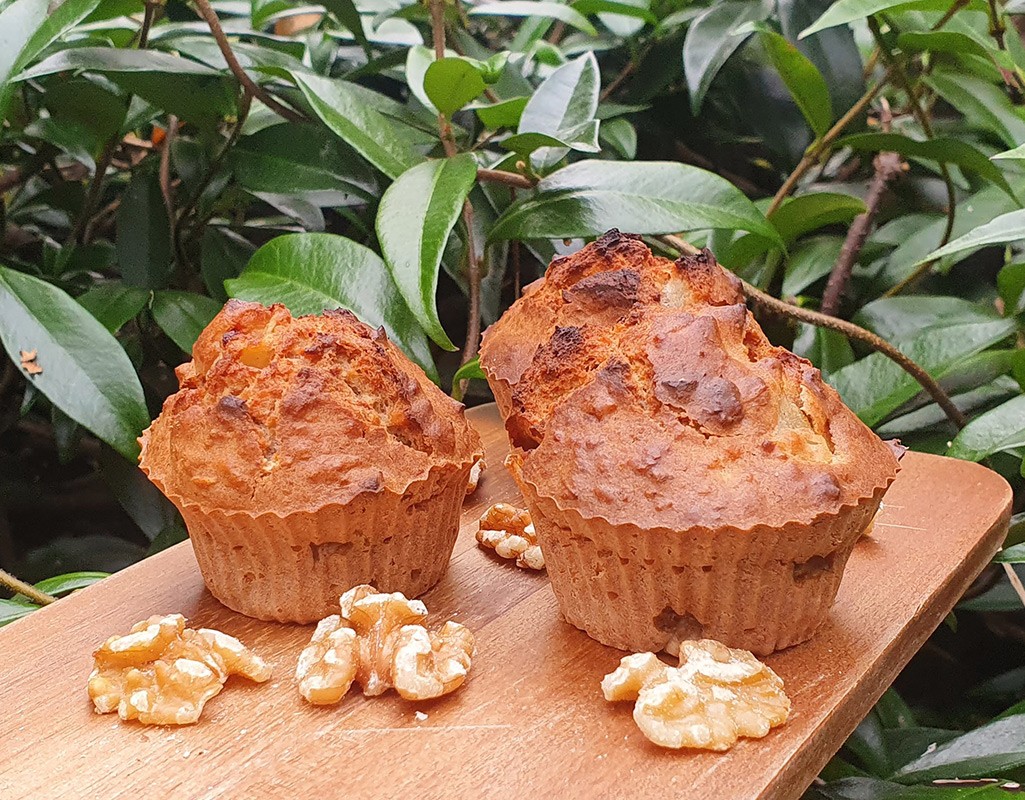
(530, 721)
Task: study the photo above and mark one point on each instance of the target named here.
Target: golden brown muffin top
(645, 392)
(277, 413)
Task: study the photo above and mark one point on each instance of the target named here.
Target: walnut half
(715, 696)
(510, 533)
(163, 673)
(377, 641)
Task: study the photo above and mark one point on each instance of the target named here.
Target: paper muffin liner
(294, 567)
(639, 589)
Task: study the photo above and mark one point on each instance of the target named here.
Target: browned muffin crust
(281, 414)
(642, 391)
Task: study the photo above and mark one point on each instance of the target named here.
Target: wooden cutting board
(530, 721)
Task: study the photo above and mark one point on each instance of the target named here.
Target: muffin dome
(277, 413)
(642, 391)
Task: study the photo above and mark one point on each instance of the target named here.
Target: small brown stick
(209, 15)
(887, 167)
(1012, 576)
(629, 68)
(27, 589)
(95, 190)
(147, 23)
(848, 329)
(473, 275)
(165, 169)
(508, 178)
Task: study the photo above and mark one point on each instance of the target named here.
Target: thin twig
(207, 13)
(628, 69)
(887, 167)
(165, 169)
(19, 586)
(996, 26)
(508, 178)
(147, 22)
(95, 190)
(1012, 576)
(848, 329)
(473, 276)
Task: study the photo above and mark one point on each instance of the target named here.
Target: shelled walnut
(715, 696)
(163, 673)
(377, 642)
(509, 532)
(475, 472)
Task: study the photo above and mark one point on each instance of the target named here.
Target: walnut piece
(475, 472)
(378, 642)
(163, 673)
(510, 533)
(716, 695)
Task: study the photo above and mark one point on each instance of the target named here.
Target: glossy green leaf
(1011, 285)
(469, 371)
(1006, 228)
(826, 349)
(183, 315)
(875, 386)
(414, 219)
(223, 254)
(347, 13)
(808, 212)
(942, 42)
(529, 8)
(711, 41)
(589, 197)
(901, 317)
(942, 150)
(11, 610)
(864, 788)
(584, 139)
(992, 749)
(293, 159)
(1016, 154)
(26, 29)
(845, 11)
(802, 79)
(451, 83)
(621, 136)
(505, 114)
(562, 106)
(984, 104)
(809, 262)
(362, 127)
(113, 304)
(180, 86)
(143, 234)
(62, 584)
(931, 415)
(639, 10)
(68, 136)
(1002, 428)
(1011, 555)
(85, 373)
(310, 272)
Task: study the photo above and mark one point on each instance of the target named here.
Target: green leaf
(11, 610)
(562, 106)
(62, 584)
(641, 10)
(310, 272)
(942, 42)
(864, 788)
(1011, 285)
(942, 150)
(589, 197)
(26, 29)
(993, 749)
(808, 212)
(621, 136)
(528, 8)
(183, 315)
(875, 386)
(505, 114)
(67, 136)
(364, 128)
(223, 254)
(584, 139)
(414, 219)
(1002, 428)
(844, 11)
(180, 86)
(802, 78)
(113, 304)
(294, 159)
(469, 371)
(1017, 154)
(451, 83)
(138, 496)
(931, 415)
(984, 104)
(826, 349)
(1006, 228)
(85, 373)
(903, 317)
(143, 234)
(810, 261)
(347, 13)
(711, 41)
(1012, 555)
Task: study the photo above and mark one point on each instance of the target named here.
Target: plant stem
(508, 178)
(996, 26)
(147, 22)
(887, 167)
(1012, 576)
(251, 87)
(95, 190)
(27, 589)
(819, 147)
(848, 329)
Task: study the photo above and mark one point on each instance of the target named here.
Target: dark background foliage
(421, 162)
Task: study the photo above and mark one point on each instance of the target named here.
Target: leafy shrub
(420, 162)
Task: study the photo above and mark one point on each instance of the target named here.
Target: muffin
(309, 455)
(686, 478)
